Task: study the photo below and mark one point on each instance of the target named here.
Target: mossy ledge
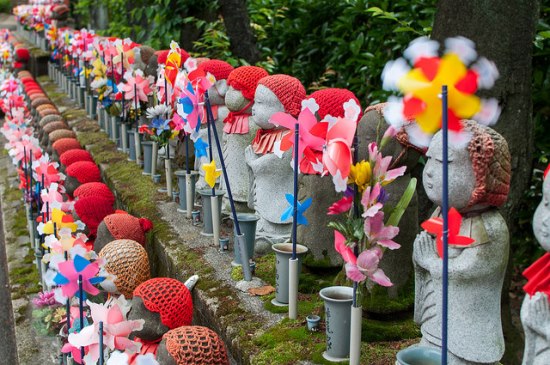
(217, 305)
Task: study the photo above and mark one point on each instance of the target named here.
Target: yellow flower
(360, 175)
(211, 173)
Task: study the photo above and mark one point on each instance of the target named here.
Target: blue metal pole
(100, 342)
(295, 211)
(81, 308)
(445, 209)
(210, 126)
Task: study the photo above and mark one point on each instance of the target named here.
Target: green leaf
(402, 205)
(545, 34)
(376, 10)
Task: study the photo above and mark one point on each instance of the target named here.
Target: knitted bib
(65, 144)
(128, 261)
(245, 79)
(220, 69)
(289, 90)
(72, 156)
(84, 172)
(94, 189)
(126, 226)
(168, 297)
(195, 345)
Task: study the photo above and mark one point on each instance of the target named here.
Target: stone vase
(182, 187)
(247, 224)
(419, 355)
(338, 301)
(283, 252)
(131, 145)
(147, 157)
(93, 107)
(208, 228)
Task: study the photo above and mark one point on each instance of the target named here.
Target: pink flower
(370, 201)
(340, 245)
(341, 206)
(377, 233)
(367, 267)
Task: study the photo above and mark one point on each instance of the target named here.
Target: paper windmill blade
(173, 63)
(435, 227)
(421, 87)
(211, 173)
(70, 270)
(189, 109)
(301, 208)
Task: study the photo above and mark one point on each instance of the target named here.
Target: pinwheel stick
(295, 211)
(77, 76)
(186, 136)
(68, 299)
(100, 342)
(293, 261)
(165, 89)
(445, 212)
(136, 102)
(81, 309)
(240, 237)
(122, 65)
(210, 126)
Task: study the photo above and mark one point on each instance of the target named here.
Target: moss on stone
(378, 301)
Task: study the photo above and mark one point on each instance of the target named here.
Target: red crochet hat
(92, 210)
(22, 54)
(289, 90)
(331, 101)
(245, 79)
(168, 297)
(94, 189)
(84, 172)
(125, 226)
(220, 69)
(71, 156)
(162, 56)
(195, 345)
(65, 144)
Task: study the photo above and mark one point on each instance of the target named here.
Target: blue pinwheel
(200, 148)
(302, 207)
(71, 270)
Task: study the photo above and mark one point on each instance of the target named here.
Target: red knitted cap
(168, 297)
(92, 210)
(289, 90)
(94, 189)
(220, 69)
(65, 144)
(22, 54)
(331, 101)
(84, 172)
(195, 345)
(125, 226)
(245, 79)
(71, 156)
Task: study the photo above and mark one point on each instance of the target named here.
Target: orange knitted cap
(128, 261)
(289, 90)
(331, 101)
(49, 119)
(36, 102)
(123, 225)
(195, 345)
(84, 172)
(65, 144)
(220, 69)
(168, 297)
(93, 189)
(92, 210)
(245, 79)
(71, 156)
(55, 126)
(60, 133)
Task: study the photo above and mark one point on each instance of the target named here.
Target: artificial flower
(360, 175)
(380, 234)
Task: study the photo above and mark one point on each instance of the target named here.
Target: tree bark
(503, 32)
(237, 23)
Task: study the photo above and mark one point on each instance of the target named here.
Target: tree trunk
(237, 23)
(503, 32)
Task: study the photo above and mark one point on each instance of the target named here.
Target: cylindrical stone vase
(208, 229)
(283, 252)
(131, 144)
(419, 355)
(93, 108)
(247, 224)
(147, 157)
(338, 300)
(182, 187)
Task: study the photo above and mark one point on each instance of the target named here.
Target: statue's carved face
(541, 219)
(153, 329)
(265, 105)
(462, 180)
(217, 92)
(234, 100)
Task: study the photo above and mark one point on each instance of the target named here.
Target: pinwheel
(116, 330)
(9, 86)
(135, 83)
(435, 227)
(301, 208)
(51, 197)
(211, 173)
(28, 144)
(337, 151)
(61, 220)
(173, 63)
(422, 85)
(189, 109)
(200, 148)
(538, 276)
(44, 169)
(69, 273)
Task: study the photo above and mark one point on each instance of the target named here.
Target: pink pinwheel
(69, 272)
(378, 233)
(43, 167)
(306, 121)
(10, 85)
(52, 197)
(366, 266)
(337, 151)
(116, 330)
(28, 144)
(189, 108)
(370, 201)
(135, 83)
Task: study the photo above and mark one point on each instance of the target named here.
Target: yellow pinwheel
(211, 173)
